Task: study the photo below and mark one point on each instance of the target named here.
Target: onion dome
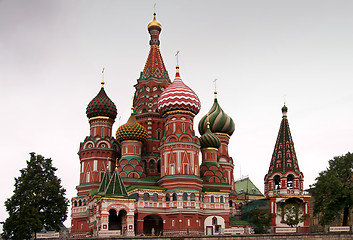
(101, 105)
(154, 25)
(220, 122)
(131, 130)
(208, 139)
(178, 96)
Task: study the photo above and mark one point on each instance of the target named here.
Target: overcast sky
(262, 53)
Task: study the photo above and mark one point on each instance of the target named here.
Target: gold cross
(177, 56)
(102, 78)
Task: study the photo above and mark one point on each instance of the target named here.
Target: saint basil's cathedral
(148, 179)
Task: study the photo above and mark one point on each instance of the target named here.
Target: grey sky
(52, 54)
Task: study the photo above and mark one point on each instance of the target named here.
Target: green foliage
(261, 219)
(38, 201)
(333, 190)
(292, 214)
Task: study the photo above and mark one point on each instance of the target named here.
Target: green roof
(116, 186)
(133, 187)
(105, 182)
(245, 185)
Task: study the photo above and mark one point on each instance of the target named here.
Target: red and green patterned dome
(101, 105)
(131, 130)
(220, 122)
(178, 96)
(209, 140)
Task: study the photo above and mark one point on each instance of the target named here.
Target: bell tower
(284, 183)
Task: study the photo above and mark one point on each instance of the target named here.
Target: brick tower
(284, 181)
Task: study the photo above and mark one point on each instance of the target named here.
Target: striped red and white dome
(178, 96)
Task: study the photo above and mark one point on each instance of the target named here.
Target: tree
(333, 190)
(261, 219)
(292, 214)
(38, 201)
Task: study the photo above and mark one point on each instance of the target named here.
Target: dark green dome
(101, 105)
(220, 122)
(208, 139)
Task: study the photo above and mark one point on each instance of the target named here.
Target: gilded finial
(102, 78)
(215, 87)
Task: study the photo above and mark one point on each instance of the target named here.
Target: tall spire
(154, 66)
(284, 157)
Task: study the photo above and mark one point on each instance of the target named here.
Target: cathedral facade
(148, 178)
(155, 176)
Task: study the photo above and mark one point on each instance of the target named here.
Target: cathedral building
(156, 176)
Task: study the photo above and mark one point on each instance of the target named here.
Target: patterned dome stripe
(220, 122)
(101, 105)
(178, 96)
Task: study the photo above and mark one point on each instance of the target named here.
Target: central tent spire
(154, 66)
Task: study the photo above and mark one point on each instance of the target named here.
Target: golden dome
(154, 25)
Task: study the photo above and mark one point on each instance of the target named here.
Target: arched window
(159, 166)
(151, 164)
(221, 200)
(167, 197)
(290, 181)
(75, 203)
(175, 197)
(185, 196)
(84, 202)
(212, 199)
(277, 181)
(155, 197)
(185, 169)
(79, 203)
(230, 203)
(214, 221)
(192, 197)
(146, 197)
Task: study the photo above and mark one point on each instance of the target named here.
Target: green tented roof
(116, 186)
(246, 186)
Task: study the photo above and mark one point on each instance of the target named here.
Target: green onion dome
(284, 108)
(208, 139)
(101, 105)
(131, 130)
(220, 122)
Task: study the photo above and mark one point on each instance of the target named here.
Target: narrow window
(192, 197)
(155, 197)
(290, 181)
(185, 196)
(167, 197)
(95, 163)
(173, 223)
(185, 169)
(212, 199)
(221, 199)
(102, 131)
(277, 181)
